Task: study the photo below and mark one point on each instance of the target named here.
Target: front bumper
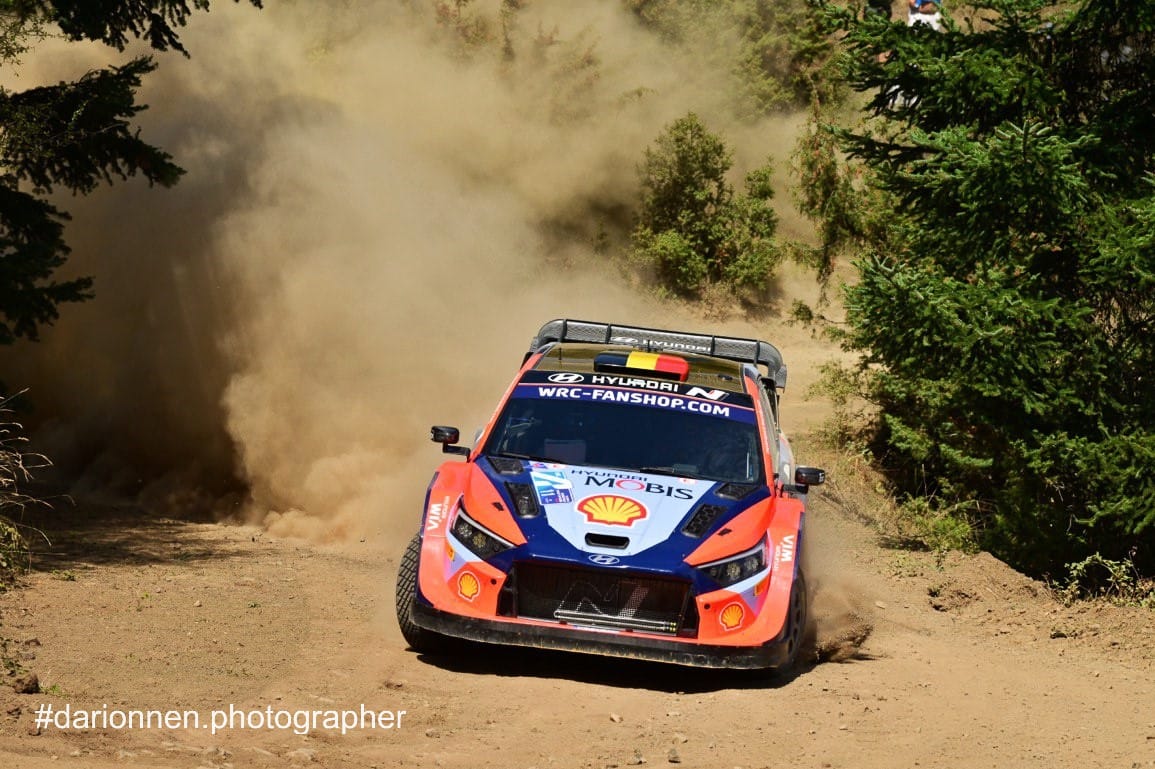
(588, 641)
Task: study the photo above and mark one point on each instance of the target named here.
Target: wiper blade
(677, 472)
(514, 455)
(532, 458)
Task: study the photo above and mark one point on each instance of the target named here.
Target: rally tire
(419, 639)
(799, 634)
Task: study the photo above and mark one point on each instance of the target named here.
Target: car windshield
(634, 437)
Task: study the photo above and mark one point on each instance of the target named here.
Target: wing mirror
(448, 437)
(805, 477)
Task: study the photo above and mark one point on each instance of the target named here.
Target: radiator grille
(604, 598)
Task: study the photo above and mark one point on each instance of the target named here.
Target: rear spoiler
(653, 339)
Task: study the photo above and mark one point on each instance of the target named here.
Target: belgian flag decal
(654, 364)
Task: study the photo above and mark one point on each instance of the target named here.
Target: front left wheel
(798, 634)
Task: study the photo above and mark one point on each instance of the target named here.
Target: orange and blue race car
(633, 496)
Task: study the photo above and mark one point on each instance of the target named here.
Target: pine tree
(1005, 304)
(71, 136)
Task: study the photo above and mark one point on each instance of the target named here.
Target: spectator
(924, 12)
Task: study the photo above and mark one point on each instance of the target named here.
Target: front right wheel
(419, 639)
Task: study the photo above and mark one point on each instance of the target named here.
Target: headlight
(477, 538)
(736, 568)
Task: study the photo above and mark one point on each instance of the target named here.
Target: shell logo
(468, 586)
(731, 617)
(611, 509)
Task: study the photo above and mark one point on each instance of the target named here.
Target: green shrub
(1115, 580)
(679, 264)
(939, 528)
(691, 228)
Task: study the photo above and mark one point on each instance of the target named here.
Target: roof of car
(705, 370)
(656, 340)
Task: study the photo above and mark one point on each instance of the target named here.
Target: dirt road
(317, 142)
(969, 665)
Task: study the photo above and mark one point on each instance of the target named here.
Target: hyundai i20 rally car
(633, 495)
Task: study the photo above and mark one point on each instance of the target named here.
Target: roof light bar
(661, 340)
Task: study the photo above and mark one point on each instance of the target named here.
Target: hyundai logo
(564, 378)
(605, 560)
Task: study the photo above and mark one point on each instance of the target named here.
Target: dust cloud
(374, 223)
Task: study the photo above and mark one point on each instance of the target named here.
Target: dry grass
(16, 467)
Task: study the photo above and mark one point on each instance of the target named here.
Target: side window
(769, 423)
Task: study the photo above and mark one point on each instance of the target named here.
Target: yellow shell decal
(468, 586)
(611, 509)
(731, 616)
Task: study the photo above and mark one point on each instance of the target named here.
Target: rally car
(633, 495)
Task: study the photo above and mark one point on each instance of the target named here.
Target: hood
(615, 512)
